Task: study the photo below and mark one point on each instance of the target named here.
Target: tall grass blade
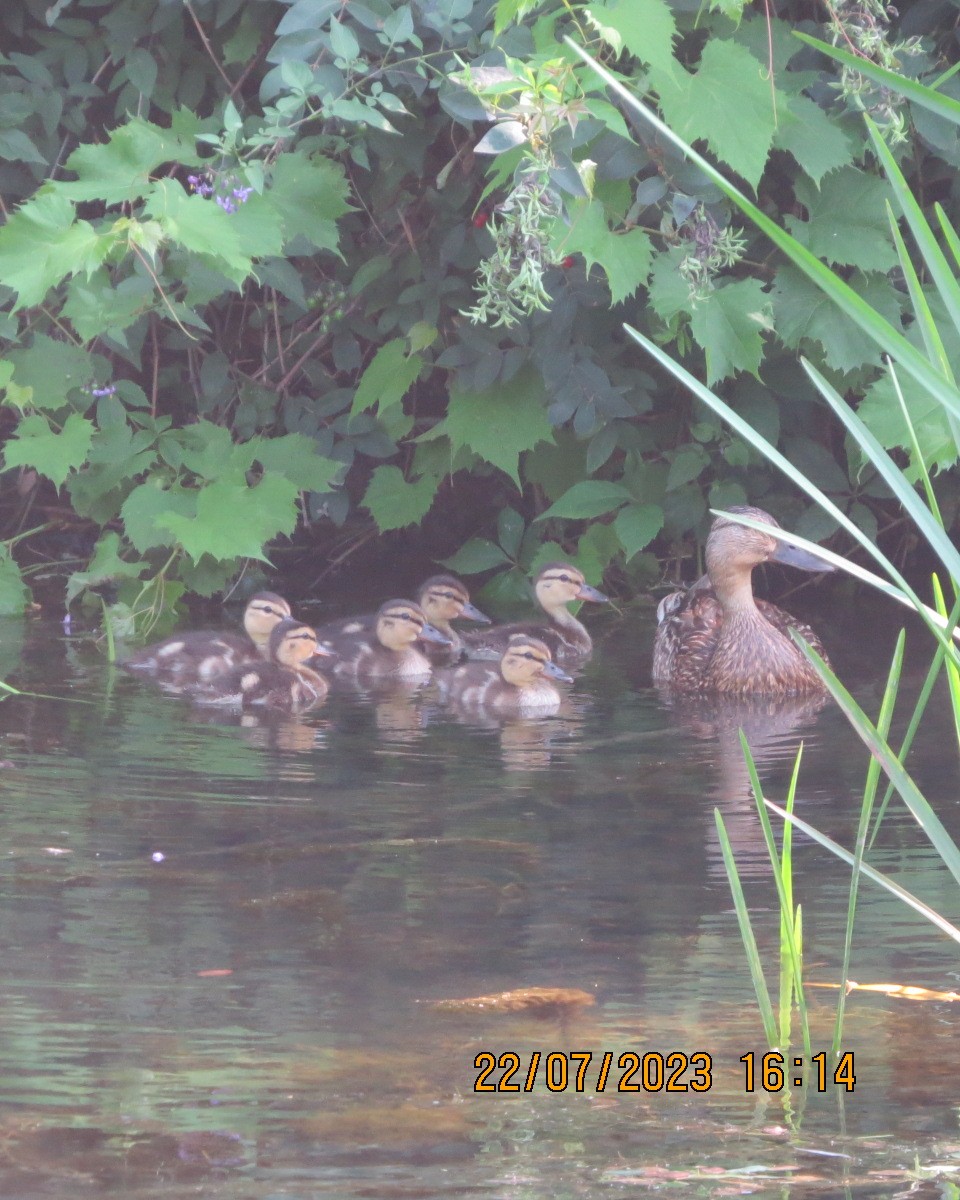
(863, 828)
(870, 872)
(923, 315)
(746, 933)
(791, 940)
(953, 674)
(919, 807)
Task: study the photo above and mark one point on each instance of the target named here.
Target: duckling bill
(716, 637)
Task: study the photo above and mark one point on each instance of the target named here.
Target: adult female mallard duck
(200, 655)
(556, 586)
(388, 650)
(284, 681)
(443, 599)
(518, 684)
(715, 637)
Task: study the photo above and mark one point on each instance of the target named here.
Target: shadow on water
(224, 936)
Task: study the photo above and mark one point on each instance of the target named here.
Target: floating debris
(543, 1003)
(902, 991)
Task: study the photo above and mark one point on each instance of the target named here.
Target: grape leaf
(233, 520)
(802, 312)
(727, 102)
(846, 220)
(199, 225)
(645, 27)
(295, 456)
(51, 369)
(149, 501)
(727, 325)
(387, 377)
(395, 502)
(498, 424)
(624, 257)
(880, 412)
(120, 168)
(819, 144)
(53, 455)
(309, 194)
(42, 243)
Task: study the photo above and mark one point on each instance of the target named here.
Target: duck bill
(317, 657)
(473, 613)
(551, 669)
(590, 593)
(429, 634)
(793, 556)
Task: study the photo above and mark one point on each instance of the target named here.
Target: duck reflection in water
(775, 727)
(510, 695)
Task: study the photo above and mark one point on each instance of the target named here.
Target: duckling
(518, 684)
(199, 655)
(443, 599)
(715, 637)
(285, 681)
(556, 586)
(388, 650)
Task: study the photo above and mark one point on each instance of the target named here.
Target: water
(222, 944)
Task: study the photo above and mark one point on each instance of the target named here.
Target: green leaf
(394, 502)
(387, 377)
(727, 102)
(53, 455)
(16, 146)
(669, 292)
(815, 140)
(510, 530)
(505, 135)
(51, 369)
(803, 313)
(149, 501)
(105, 566)
(479, 554)
(589, 498)
(645, 27)
(41, 244)
(687, 464)
(498, 424)
(846, 220)
(120, 169)
(14, 593)
(880, 411)
(309, 194)
(210, 451)
(199, 225)
(295, 456)
(636, 526)
(727, 325)
(624, 257)
(235, 521)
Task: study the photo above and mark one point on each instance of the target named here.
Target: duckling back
(517, 684)
(283, 682)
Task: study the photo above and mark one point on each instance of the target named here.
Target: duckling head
(263, 613)
(733, 551)
(401, 622)
(443, 598)
(292, 643)
(558, 584)
(526, 660)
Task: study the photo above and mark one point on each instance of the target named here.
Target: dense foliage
(273, 265)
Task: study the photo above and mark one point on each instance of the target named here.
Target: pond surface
(222, 943)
